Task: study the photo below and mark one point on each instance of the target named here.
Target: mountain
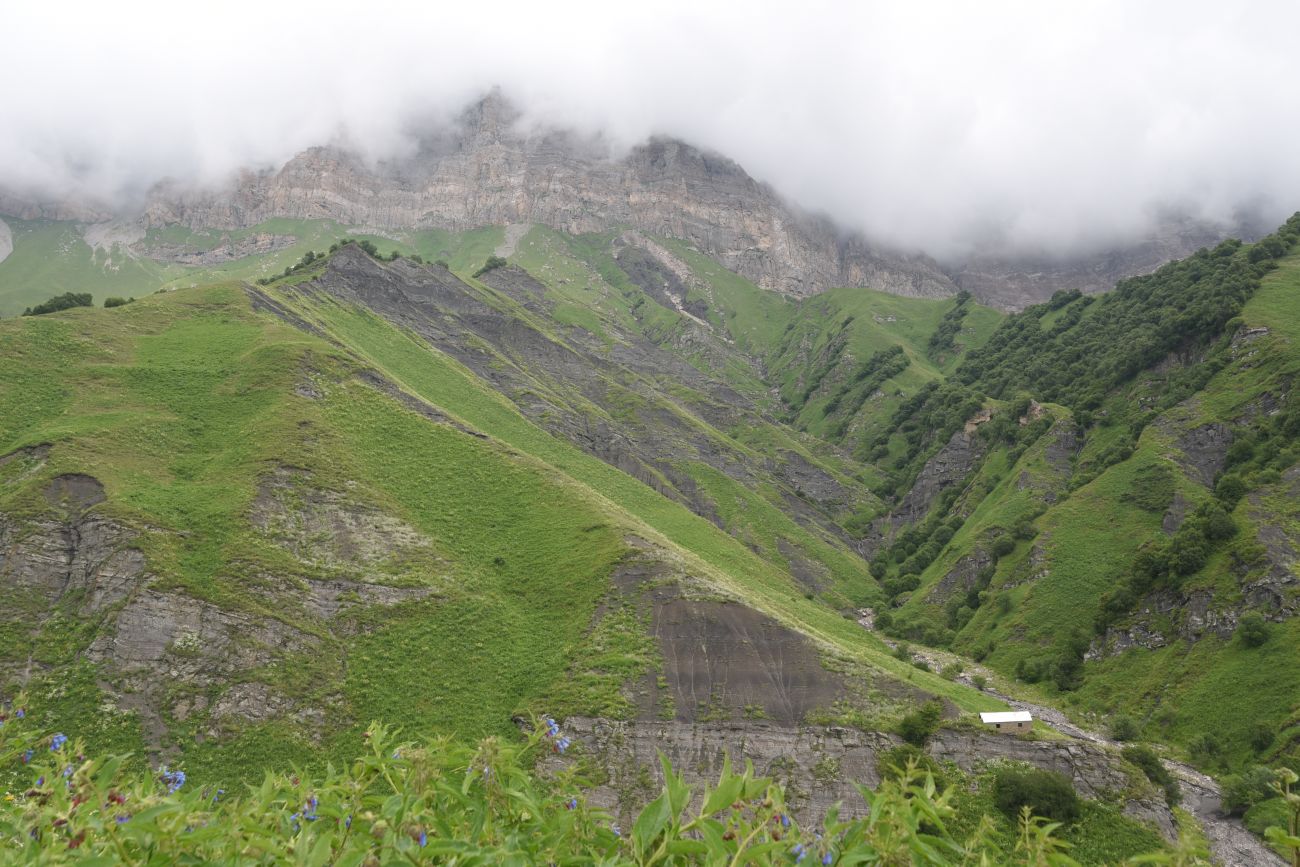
(488, 169)
(240, 521)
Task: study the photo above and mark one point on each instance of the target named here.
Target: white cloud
(936, 125)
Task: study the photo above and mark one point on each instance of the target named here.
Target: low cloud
(948, 127)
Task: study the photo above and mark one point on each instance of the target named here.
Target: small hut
(1009, 720)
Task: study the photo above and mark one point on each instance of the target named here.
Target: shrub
(1252, 630)
(1204, 746)
(492, 263)
(917, 726)
(66, 301)
(1245, 790)
(1123, 728)
(950, 671)
(115, 301)
(1149, 763)
(1002, 546)
(1046, 793)
(979, 681)
(1262, 737)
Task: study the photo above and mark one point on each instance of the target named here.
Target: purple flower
(40, 781)
(424, 839)
(57, 742)
(616, 830)
(798, 852)
(347, 823)
(27, 757)
(572, 804)
(785, 821)
(20, 713)
(173, 779)
(828, 858)
(562, 744)
(122, 820)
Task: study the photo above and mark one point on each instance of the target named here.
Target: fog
(1039, 127)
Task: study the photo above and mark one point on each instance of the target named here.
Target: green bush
(1245, 790)
(1123, 728)
(1252, 630)
(66, 301)
(115, 301)
(492, 263)
(1002, 546)
(917, 726)
(1145, 759)
(1046, 793)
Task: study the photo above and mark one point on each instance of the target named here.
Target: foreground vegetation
(450, 802)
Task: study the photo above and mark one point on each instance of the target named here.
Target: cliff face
(488, 172)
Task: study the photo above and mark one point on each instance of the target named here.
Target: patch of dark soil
(75, 492)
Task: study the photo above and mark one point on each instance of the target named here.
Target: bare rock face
(488, 171)
(228, 250)
(1204, 450)
(962, 577)
(821, 766)
(948, 467)
(1095, 771)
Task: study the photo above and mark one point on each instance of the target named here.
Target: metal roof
(1006, 716)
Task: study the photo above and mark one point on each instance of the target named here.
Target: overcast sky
(932, 125)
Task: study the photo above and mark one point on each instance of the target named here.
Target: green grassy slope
(425, 371)
(1076, 532)
(183, 404)
(52, 257)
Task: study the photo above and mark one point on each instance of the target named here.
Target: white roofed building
(1008, 720)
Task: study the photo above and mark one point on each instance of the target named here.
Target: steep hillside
(510, 471)
(1130, 545)
(240, 522)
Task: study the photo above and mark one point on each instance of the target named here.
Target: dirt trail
(1231, 845)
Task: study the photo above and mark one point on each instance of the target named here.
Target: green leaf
(650, 823)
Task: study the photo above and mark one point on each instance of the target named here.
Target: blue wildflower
(67, 772)
(424, 839)
(572, 804)
(616, 830)
(57, 742)
(122, 820)
(562, 744)
(785, 821)
(347, 823)
(27, 757)
(397, 754)
(20, 713)
(828, 858)
(40, 781)
(798, 852)
(173, 779)
(309, 809)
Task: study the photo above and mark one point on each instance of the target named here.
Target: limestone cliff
(488, 170)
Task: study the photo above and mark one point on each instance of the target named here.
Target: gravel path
(1231, 845)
